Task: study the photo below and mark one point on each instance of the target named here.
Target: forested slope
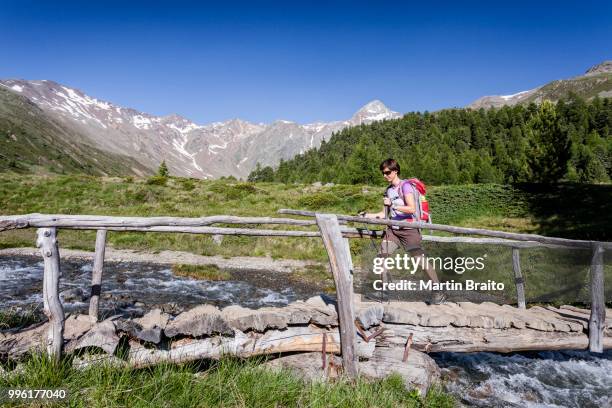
(570, 140)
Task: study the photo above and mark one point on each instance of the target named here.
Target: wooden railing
(335, 239)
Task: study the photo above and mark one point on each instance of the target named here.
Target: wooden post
(597, 321)
(47, 242)
(340, 261)
(96, 275)
(518, 278)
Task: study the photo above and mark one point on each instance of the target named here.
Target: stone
(154, 318)
(73, 295)
(77, 325)
(204, 320)
(102, 335)
(419, 372)
(245, 319)
(369, 314)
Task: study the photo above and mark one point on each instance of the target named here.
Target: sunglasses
(386, 173)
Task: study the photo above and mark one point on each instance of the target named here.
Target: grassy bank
(518, 208)
(570, 210)
(228, 383)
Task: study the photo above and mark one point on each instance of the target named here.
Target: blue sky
(303, 62)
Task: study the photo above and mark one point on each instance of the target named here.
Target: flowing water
(543, 379)
(540, 379)
(132, 288)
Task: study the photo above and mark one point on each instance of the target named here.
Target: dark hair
(391, 164)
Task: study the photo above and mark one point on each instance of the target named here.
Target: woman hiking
(399, 200)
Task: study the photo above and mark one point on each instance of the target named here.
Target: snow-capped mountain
(205, 151)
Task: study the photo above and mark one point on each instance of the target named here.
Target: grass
(519, 208)
(227, 383)
(568, 210)
(204, 272)
(13, 318)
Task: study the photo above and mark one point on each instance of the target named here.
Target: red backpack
(420, 200)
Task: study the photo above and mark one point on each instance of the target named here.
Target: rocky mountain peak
(373, 111)
(603, 68)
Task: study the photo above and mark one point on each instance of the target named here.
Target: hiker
(400, 200)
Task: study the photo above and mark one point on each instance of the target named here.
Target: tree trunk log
(518, 278)
(47, 242)
(340, 261)
(96, 275)
(598, 307)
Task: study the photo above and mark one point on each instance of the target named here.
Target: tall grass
(225, 383)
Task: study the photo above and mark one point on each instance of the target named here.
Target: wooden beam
(47, 242)
(597, 321)
(340, 262)
(95, 221)
(458, 230)
(518, 278)
(96, 274)
(495, 241)
(346, 232)
(12, 222)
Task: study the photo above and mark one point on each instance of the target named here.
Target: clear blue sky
(309, 62)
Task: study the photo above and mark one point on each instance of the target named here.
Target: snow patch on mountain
(210, 150)
(516, 95)
(141, 122)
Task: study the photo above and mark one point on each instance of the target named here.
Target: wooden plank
(47, 242)
(340, 262)
(458, 230)
(96, 274)
(518, 278)
(597, 320)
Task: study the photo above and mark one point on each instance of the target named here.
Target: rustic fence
(332, 230)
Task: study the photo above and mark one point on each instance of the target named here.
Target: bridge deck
(467, 327)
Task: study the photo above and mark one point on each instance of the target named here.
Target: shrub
(157, 180)
(319, 200)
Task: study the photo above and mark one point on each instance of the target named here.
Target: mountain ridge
(231, 147)
(596, 81)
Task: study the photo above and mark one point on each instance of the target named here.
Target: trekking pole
(386, 274)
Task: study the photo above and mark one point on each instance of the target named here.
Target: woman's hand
(387, 201)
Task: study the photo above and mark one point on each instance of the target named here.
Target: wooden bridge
(349, 325)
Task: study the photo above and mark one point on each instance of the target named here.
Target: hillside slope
(31, 141)
(210, 150)
(596, 81)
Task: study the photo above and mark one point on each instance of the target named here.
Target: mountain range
(211, 150)
(49, 127)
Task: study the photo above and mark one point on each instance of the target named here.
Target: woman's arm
(410, 207)
(375, 215)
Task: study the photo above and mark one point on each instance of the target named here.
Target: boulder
(204, 320)
(102, 335)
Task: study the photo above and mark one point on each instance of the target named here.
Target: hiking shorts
(407, 238)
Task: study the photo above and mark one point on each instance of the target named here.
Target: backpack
(422, 205)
